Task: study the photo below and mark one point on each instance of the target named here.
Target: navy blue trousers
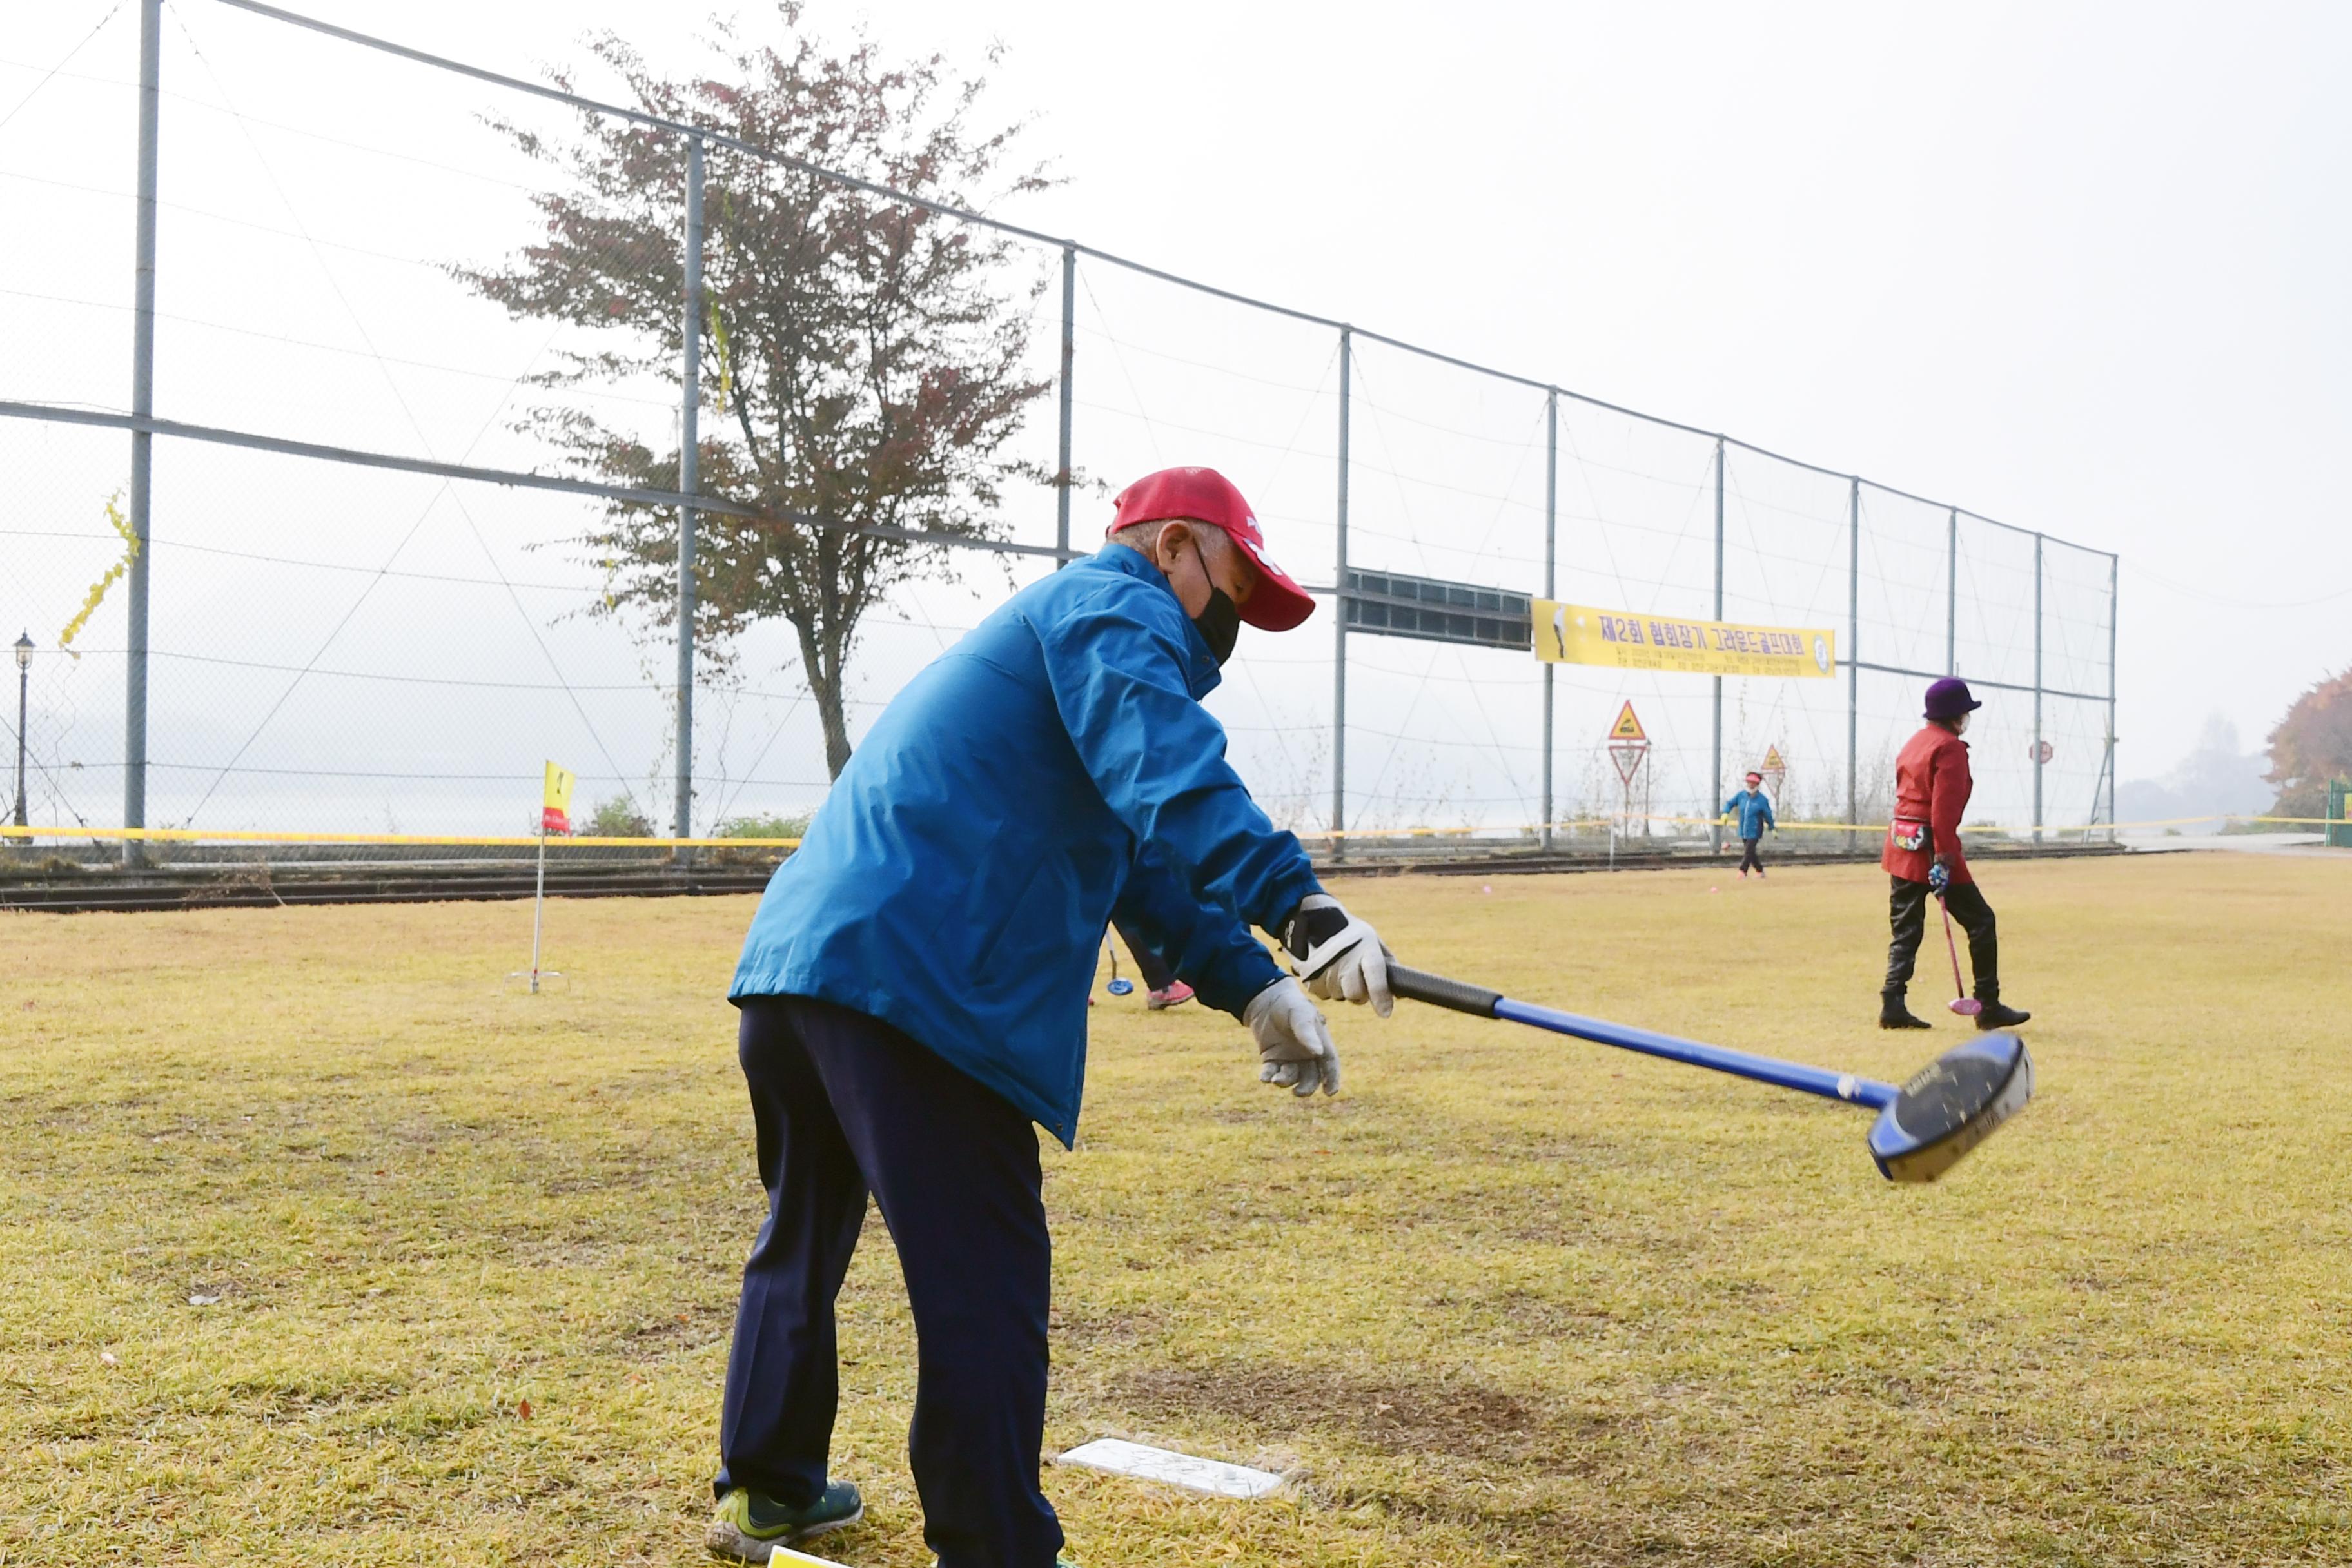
(846, 1105)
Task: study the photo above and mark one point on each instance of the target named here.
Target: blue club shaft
(1464, 998)
(1740, 1064)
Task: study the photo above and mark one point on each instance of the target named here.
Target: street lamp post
(23, 675)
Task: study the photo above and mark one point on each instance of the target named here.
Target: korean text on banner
(1579, 634)
(555, 801)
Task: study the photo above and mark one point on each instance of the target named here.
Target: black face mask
(1220, 624)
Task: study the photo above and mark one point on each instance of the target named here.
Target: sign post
(1629, 748)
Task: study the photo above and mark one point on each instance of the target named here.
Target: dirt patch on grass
(1076, 1329)
(1439, 1417)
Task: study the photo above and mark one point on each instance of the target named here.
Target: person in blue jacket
(1754, 810)
(913, 994)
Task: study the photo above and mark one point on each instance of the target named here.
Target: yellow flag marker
(555, 800)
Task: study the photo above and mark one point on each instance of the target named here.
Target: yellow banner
(557, 796)
(1579, 634)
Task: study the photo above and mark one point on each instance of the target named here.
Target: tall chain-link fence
(371, 602)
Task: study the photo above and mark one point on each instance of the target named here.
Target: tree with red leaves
(865, 357)
(2312, 745)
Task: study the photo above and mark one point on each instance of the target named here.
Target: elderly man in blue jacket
(913, 996)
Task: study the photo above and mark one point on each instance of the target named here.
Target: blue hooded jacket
(1052, 769)
(1754, 813)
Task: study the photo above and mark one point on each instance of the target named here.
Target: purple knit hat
(1948, 699)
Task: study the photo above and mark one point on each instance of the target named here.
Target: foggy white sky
(2080, 269)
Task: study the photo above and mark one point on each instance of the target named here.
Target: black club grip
(1439, 991)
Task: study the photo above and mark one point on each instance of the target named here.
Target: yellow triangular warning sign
(1627, 727)
(1772, 763)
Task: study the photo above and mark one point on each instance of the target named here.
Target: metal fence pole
(1339, 616)
(2115, 587)
(2037, 688)
(1715, 800)
(142, 442)
(1551, 587)
(1062, 477)
(689, 477)
(1952, 593)
(24, 647)
(1852, 657)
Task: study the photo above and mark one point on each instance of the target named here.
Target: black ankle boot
(1894, 1015)
(1996, 1015)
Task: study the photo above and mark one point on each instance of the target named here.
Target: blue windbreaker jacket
(1052, 769)
(1754, 813)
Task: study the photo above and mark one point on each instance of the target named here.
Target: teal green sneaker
(749, 1526)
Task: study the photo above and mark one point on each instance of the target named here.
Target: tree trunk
(836, 727)
(824, 680)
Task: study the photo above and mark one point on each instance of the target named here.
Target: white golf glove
(1294, 1044)
(1339, 956)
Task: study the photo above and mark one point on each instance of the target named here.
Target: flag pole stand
(555, 805)
(534, 975)
(538, 908)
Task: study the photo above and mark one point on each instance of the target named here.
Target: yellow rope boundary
(514, 841)
(530, 841)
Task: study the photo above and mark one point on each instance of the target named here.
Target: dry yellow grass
(1512, 1298)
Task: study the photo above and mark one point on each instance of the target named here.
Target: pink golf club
(1966, 1007)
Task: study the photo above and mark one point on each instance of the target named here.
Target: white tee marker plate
(1214, 1477)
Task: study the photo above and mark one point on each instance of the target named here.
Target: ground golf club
(1947, 1109)
(1966, 1006)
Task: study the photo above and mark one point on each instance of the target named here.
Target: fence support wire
(521, 478)
(689, 479)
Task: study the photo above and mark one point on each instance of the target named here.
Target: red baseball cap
(1204, 495)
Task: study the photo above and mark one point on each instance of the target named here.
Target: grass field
(317, 1245)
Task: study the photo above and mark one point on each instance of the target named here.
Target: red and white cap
(1204, 495)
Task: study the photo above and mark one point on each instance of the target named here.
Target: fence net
(339, 647)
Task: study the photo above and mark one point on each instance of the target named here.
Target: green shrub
(770, 827)
(616, 818)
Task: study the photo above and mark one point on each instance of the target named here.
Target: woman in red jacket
(1923, 856)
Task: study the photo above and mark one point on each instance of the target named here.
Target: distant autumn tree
(863, 358)
(2312, 745)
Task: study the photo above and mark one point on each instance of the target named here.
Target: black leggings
(1157, 975)
(1908, 912)
(1749, 857)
